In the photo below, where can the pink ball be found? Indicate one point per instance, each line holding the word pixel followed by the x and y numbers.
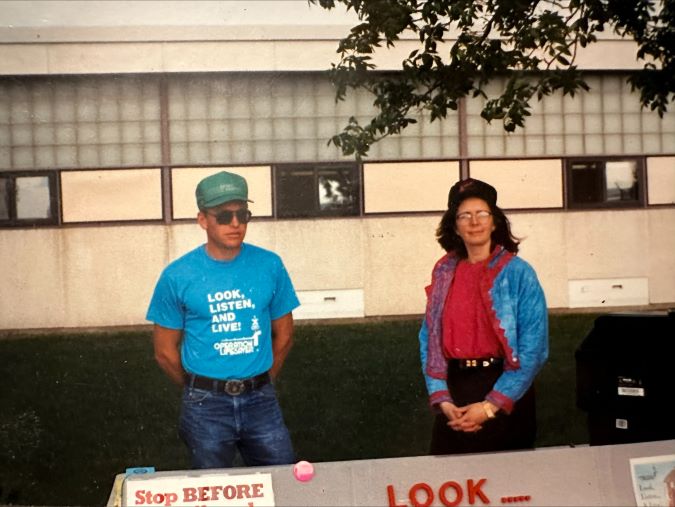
pixel 303 471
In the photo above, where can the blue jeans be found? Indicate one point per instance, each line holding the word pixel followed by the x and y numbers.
pixel 213 425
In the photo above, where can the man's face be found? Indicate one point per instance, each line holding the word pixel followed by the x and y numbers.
pixel 225 227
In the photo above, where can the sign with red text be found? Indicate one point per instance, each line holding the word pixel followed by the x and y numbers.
pixel 547 477
pixel 449 494
pixel 254 490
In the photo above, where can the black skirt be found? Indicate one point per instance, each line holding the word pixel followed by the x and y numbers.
pixel 503 433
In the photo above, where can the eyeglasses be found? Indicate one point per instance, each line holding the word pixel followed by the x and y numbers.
pixel 225 216
pixel 481 216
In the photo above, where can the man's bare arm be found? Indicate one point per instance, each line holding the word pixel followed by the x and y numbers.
pixel 167 352
pixel 282 341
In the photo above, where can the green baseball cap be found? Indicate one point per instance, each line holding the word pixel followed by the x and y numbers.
pixel 220 188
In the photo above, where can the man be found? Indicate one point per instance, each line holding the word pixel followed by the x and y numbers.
pixel 223 328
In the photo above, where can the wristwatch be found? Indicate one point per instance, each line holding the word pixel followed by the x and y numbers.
pixel 488 410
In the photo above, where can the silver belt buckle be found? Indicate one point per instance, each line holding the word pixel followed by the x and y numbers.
pixel 234 387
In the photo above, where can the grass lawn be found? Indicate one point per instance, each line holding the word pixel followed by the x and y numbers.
pixel 77 409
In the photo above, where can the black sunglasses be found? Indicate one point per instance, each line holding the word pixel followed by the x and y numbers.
pixel 225 216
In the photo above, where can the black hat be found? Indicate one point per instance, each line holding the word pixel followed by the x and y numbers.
pixel 470 187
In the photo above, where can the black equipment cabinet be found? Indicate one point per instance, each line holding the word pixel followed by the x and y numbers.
pixel 625 376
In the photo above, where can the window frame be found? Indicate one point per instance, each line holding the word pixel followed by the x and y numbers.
pixel 316 168
pixel 638 202
pixel 13 221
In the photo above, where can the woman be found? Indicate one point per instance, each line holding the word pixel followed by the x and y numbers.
pixel 485 334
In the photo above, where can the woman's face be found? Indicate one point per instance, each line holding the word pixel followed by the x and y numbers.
pixel 474 223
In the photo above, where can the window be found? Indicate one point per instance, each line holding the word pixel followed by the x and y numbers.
pixel 4 199
pixel 605 183
pixel 317 190
pixel 27 199
pixel 606 121
pixel 79 122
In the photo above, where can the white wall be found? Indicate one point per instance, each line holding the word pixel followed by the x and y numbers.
pixel 99 276
pixel 70 37
pixel 89 276
pixel 661 180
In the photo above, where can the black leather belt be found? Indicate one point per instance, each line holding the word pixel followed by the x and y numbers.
pixel 233 387
pixel 481 362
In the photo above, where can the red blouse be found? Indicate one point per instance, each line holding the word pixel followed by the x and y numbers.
pixel 467 331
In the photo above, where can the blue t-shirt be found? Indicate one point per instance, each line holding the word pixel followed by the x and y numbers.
pixel 225 309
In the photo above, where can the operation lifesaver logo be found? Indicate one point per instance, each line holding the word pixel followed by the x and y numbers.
pixel 224 307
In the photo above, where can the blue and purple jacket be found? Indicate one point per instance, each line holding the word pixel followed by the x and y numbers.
pixel 516 305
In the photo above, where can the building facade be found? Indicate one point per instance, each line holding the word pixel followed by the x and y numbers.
pixel 111 112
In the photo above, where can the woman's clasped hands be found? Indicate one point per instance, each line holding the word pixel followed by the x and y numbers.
pixel 469 418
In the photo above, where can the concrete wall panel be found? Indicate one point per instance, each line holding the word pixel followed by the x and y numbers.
pixel 90 196
pixel 109 274
pixel 218 56
pixel 661 259
pixel 319 254
pixel 607 244
pixel 542 244
pixel 33 292
pixel 78 277
pixel 399 254
pixel 661 180
pixel 412 186
pixel 523 183
pixel 18 59
pixel 86 276
pixel 102 58
pixel 120 56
